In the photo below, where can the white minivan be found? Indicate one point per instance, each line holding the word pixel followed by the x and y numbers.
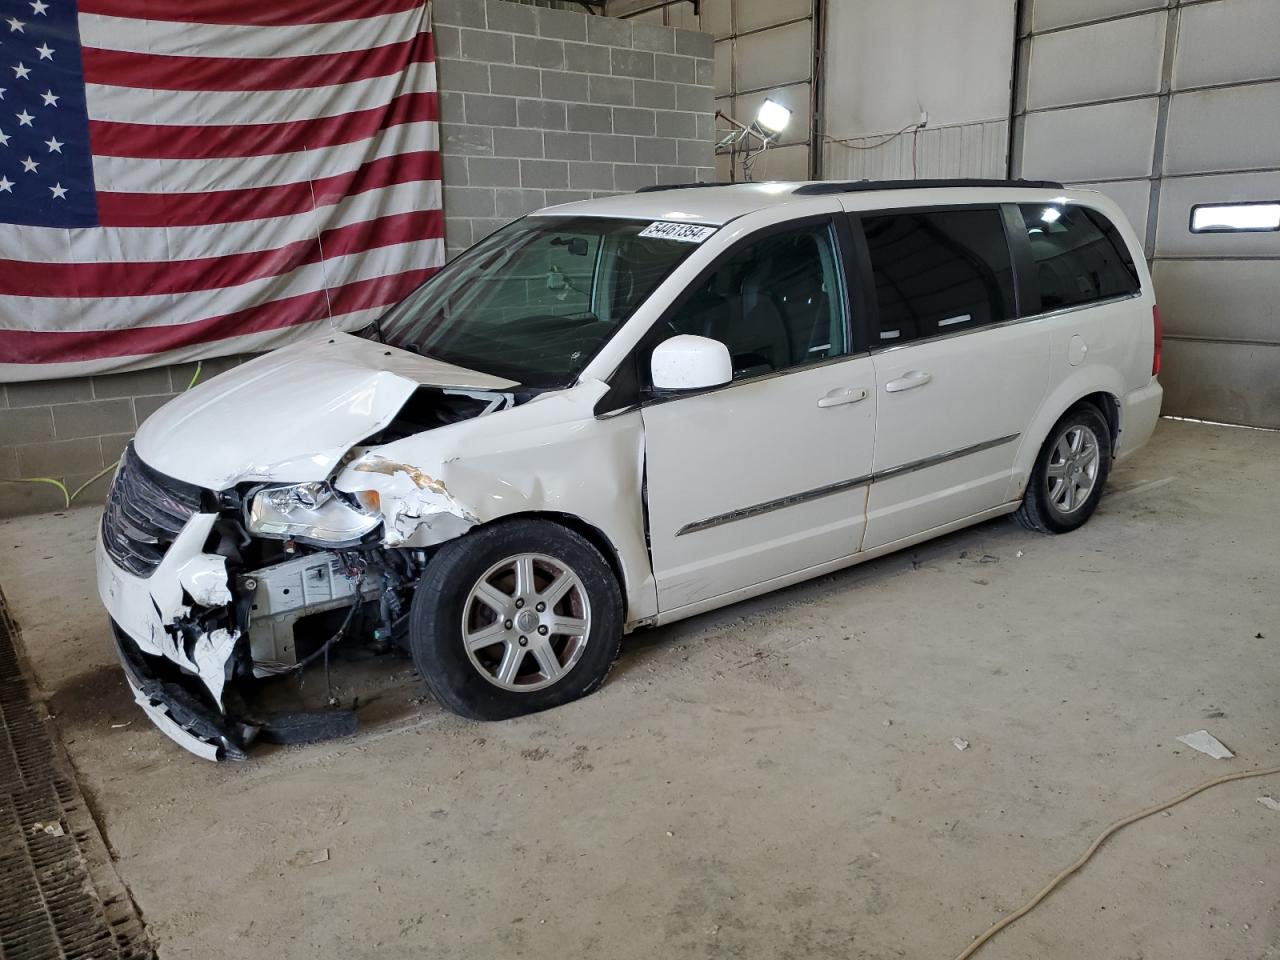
pixel 618 413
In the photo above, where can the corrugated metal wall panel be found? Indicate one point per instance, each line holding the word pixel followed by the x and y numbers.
pixel 963 150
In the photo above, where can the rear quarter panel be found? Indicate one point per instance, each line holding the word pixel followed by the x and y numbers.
pixel 1119 335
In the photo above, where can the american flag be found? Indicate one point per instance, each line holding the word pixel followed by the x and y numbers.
pixel 190 178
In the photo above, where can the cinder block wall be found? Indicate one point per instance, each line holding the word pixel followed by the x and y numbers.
pixel 542 106
pixel 539 106
pixel 70 430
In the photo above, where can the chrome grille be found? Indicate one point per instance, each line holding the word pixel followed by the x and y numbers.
pixel 145 513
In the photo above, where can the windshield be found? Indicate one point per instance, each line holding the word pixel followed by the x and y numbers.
pixel 537 300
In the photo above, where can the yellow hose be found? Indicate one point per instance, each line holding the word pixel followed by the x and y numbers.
pixel 69 497
pixel 1053 884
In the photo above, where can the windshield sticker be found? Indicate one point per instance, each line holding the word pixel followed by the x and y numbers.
pixel 684 232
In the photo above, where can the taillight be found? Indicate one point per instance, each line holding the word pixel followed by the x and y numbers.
pixel 1159 340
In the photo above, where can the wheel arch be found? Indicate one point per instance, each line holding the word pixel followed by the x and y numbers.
pixel 1099 388
pixel 589 532
pixel 1107 404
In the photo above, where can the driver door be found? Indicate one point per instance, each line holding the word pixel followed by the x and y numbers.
pixel 765 476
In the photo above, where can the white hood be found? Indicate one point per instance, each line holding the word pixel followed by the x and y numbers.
pixel 290 415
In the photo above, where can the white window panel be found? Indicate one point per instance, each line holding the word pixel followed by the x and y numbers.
pixel 1252 217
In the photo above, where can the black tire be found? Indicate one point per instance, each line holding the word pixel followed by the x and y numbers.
pixel 1039 511
pixel 444 597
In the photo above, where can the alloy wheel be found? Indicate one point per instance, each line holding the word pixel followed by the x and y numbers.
pixel 526 621
pixel 1073 466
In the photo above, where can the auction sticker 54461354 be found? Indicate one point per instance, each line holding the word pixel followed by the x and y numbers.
pixel 684 232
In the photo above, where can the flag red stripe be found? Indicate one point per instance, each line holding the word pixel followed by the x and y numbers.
pixel 259 203
pixel 190 142
pixel 124 69
pixel 277 13
pixel 152 277
pixel 49 346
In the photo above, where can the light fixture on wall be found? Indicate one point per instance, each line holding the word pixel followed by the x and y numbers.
pixel 773 116
pixel 743 143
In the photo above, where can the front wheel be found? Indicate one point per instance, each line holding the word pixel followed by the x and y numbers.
pixel 1070 472
pixel 515 618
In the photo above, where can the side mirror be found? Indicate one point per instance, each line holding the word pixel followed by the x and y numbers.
pixel 686 362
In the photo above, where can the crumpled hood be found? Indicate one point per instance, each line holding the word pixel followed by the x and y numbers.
pixel 290 415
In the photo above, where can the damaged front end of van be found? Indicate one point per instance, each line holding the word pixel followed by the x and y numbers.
pixel 300 511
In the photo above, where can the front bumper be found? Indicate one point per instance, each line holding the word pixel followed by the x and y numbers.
pixel 180 677
pixel 146 608
pixel 181 716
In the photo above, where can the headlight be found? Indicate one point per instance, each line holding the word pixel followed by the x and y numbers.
pixel 310 512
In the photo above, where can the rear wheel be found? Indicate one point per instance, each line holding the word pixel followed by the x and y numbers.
pixel 515 618
pixel 1070 472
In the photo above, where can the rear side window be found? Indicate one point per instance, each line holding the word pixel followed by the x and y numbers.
pixel 1079 255
pixel 938 271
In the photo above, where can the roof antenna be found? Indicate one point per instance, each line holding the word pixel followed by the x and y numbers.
pixel 315 222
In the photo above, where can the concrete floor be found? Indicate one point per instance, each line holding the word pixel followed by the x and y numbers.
pixel 772 780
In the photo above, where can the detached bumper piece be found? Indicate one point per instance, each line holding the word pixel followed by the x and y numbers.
pixel 196 726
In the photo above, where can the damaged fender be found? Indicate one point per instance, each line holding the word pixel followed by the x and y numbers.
pixel 536 457
pixel 418 509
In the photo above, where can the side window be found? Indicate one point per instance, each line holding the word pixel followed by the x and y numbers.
pixel 938 271
pixel 776 303
pixel 1079 255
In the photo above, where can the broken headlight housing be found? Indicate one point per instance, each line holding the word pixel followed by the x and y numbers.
pixel 311 512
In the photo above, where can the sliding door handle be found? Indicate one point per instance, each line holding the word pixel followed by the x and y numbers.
pixel 842 395
pixel 908 381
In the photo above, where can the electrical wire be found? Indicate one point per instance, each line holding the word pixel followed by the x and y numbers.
pixel 1056 882
pixel 846 141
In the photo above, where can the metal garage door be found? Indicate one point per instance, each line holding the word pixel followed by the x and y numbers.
pixel 1166 105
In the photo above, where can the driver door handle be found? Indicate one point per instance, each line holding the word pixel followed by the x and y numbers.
pixel 908 381
pixel 842 395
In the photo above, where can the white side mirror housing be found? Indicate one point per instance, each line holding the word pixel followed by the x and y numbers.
pixel 686 362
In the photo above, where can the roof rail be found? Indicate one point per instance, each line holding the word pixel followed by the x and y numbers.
pixel 684 186
pixel 853 186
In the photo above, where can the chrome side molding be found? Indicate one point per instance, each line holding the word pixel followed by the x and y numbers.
pixel 790 501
